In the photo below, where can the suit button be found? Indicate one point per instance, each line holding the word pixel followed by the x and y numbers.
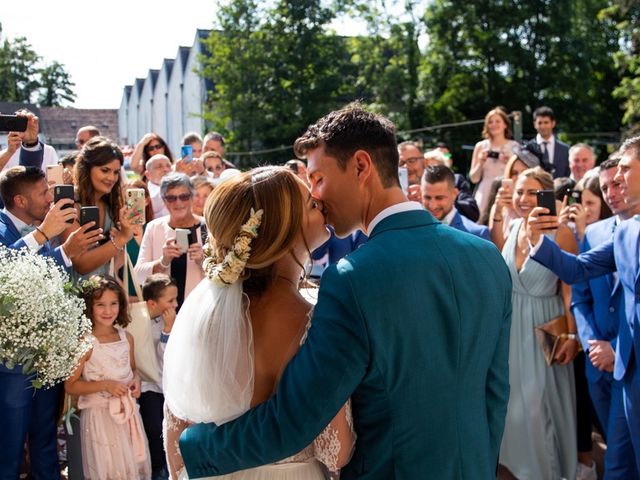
pixel 612 309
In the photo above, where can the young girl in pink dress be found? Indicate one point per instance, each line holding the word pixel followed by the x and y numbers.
pixel 114 445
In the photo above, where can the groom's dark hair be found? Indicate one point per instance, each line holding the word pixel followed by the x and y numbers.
pixel 353 128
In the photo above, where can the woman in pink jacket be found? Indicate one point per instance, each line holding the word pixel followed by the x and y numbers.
pixel 163 249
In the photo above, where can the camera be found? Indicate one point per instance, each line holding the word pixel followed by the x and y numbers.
pixel 493 154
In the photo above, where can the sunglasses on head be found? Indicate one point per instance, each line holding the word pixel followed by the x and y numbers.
pixel 183 197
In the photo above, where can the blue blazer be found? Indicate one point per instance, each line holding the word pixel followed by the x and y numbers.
pixel 10 237
pixel 338 248
pixel 561 160
pixel 598 304
pixel 460 222
pixel 413 327
pixel 621 254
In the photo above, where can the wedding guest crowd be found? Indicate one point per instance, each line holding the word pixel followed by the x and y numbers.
pixel 554 259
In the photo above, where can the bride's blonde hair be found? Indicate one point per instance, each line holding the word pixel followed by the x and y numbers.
pixel 276 191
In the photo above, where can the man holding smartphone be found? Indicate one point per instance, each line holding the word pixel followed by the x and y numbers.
pixel 26 149
pixel 620 254
pixel 29 220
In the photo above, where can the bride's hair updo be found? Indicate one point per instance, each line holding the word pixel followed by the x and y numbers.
pixel 276 191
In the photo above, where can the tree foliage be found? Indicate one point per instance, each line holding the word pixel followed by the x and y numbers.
pixel 277 66
pixel 23 77
pixel 274 70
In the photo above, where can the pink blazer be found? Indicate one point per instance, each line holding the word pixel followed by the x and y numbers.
pixel 155 235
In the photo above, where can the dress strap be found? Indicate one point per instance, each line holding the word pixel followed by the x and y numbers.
pixel 121 333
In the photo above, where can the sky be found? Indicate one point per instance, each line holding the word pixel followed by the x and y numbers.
pixel 105 45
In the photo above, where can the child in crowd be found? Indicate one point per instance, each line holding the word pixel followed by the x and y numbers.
pixel 161 294
pixel 113 439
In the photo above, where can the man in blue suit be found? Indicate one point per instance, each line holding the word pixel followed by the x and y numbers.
pixel 413 326
pixel 334 249
pixel 438 196
pixel 554 152
pixel 620 254
pixel 598 308
pixel 27 221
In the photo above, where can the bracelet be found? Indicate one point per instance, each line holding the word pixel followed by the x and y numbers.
pixel 163 265
pixel 571 336
pixel 497 220
pixel 42 233
pixel 116 246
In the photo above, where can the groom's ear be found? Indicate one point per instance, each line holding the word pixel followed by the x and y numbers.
pixel 363 164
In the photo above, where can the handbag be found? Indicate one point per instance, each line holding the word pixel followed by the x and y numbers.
pixel 551 336
pixel 140 328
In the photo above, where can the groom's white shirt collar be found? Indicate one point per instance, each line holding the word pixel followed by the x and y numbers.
pixel 392 210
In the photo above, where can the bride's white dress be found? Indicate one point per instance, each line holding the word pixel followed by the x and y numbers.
pixel 208 377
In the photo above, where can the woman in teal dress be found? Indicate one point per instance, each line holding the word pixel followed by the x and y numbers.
pixel 539 441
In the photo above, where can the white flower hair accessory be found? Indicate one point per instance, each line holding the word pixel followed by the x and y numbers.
pixel 229 270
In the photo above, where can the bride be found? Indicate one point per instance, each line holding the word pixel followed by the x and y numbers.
pixel 242 324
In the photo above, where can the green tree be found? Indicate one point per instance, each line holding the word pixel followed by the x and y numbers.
pixel 56 86
pixel 520 54
pixel 23 65
pixel 626 15
pixel 22 77
pixel 274 70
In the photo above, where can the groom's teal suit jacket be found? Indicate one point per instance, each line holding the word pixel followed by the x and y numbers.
pixel 414 327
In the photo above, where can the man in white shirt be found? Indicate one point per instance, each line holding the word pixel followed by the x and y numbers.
pixel 26 149
pixel 581 160
pixel 157 167
pixel 553 150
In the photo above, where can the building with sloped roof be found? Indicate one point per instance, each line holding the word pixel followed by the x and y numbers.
pixel 169 101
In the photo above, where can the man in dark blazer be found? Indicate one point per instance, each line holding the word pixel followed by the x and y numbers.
pixel 438 196
pixel 413 327
pixel 621 253
pixel 27 221
pixel 555 152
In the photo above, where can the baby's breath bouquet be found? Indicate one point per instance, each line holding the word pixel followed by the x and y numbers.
pixel 43 328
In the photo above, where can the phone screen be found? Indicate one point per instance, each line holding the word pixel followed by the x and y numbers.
pixel 403 174
pixel 186 153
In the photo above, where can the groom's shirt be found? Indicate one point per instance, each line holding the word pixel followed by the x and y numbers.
pixel 392 210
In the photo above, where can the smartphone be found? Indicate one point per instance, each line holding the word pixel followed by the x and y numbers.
pixel 507 184
pixel 575 196
pixel 186 153
pixel 182 238
pixel 403 174
pixel 135 202
pixel 13 123
pixel 63 191
pixel 547 199
pixel 90 214
pixel 55 174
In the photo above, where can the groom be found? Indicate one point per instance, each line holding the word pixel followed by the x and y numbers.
pixel 413 327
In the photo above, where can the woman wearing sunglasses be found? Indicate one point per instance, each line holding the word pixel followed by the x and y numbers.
pixel 164 248
pixel 150 145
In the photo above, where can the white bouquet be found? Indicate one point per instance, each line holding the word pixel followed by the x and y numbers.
pixel 42 323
